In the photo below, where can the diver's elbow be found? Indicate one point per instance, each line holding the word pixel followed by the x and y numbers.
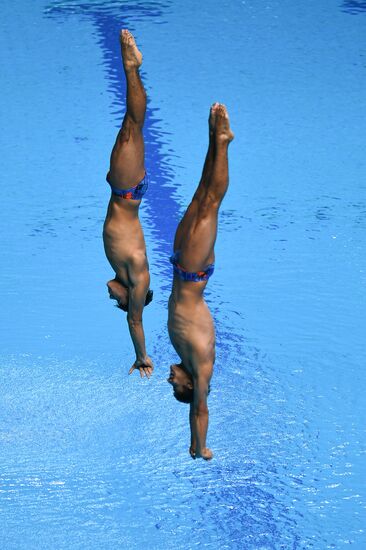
pixel 134 322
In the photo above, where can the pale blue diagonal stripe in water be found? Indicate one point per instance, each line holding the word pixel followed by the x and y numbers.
pixel 93 459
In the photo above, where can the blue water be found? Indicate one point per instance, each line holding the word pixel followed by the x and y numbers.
pixel 93 459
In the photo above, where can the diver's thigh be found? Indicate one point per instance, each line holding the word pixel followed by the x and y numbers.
pixel 197 249
pixel 127 159
pixel 185 226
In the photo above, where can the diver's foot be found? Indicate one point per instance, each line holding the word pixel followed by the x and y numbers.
pixel 222 130
pixel 131 56
pixel 212 119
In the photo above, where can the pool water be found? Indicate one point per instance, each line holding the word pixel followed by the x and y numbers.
pixel 92 458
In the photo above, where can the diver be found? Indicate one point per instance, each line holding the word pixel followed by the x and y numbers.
pixel 123 238
pixel 190 324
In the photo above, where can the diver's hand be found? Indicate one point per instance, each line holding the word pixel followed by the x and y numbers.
pixel 145 366
pixel 205 453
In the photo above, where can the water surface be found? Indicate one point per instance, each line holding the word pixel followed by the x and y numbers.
pixel 94 459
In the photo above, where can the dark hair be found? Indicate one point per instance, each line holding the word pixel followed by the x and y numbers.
pixel 123 307
pixel 186 395
pixel 149 297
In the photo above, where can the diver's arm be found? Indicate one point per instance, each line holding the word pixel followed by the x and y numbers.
pixel 136 302
pixel 192 424
pixel 200 414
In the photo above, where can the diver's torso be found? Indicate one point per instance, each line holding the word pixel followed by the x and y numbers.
pixel 123 237
pixel 190 325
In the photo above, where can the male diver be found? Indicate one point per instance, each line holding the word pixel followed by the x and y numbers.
pixel 123 237
pixel 190 324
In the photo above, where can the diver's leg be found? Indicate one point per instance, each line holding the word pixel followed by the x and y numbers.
pixel 127 158
pixel 207 167
pixel 218 179
pixel 191 212
pixel 199 235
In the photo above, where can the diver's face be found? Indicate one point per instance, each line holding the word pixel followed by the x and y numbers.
pixel 178 378
pixel 120 295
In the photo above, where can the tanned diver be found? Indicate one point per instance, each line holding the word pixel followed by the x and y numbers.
pixel 190 324
pixel 124 241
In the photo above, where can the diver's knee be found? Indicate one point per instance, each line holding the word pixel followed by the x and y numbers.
pixel 208 205
pixel 133 123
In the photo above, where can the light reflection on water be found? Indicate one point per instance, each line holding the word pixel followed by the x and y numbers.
pixel 93 460
pixel 354 6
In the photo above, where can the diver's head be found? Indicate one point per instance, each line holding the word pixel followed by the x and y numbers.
pixel 182 383
pixel 118 292
pixel 121 295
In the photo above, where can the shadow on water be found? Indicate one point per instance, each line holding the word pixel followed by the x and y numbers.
pixel 109 18
pixel 354 6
